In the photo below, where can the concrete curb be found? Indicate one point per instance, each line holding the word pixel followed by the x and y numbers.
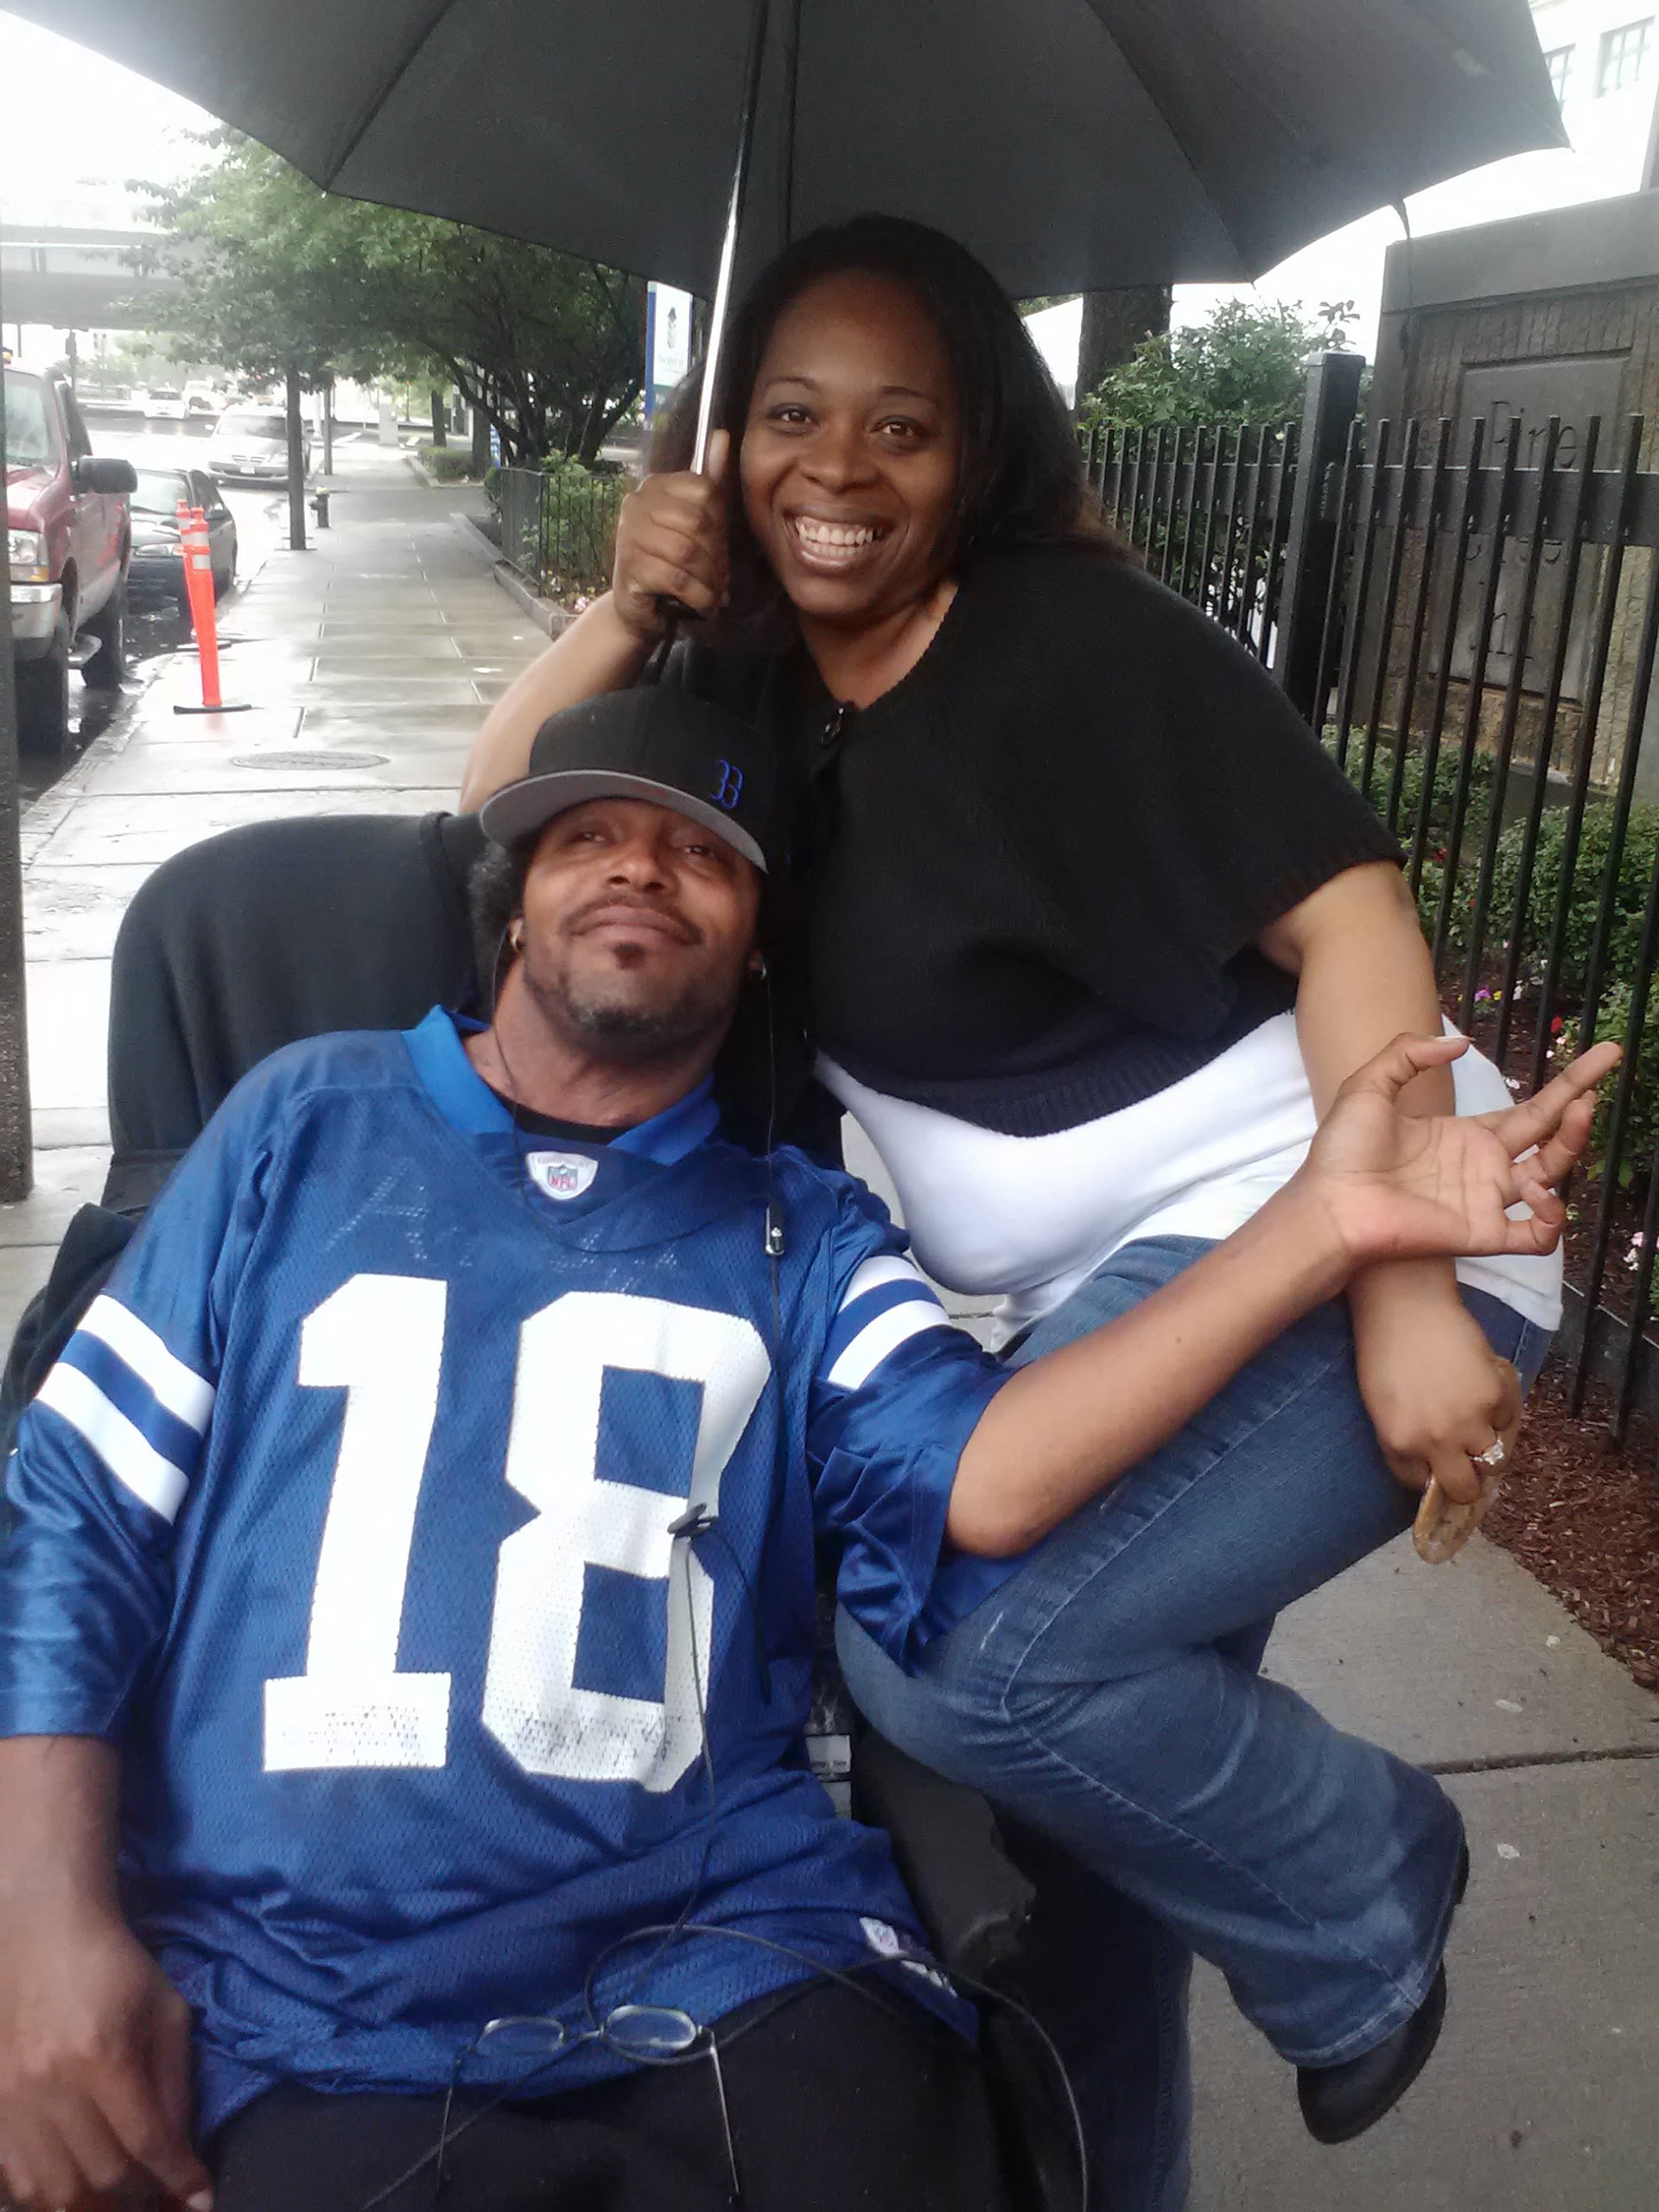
pixel 436 483
pixel 541 612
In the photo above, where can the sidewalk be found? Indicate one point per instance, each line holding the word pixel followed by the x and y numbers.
pixel 369 661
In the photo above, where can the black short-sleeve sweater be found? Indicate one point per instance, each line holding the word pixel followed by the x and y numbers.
pixel 1035 868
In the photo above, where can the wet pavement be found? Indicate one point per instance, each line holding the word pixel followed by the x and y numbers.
pixel 364 664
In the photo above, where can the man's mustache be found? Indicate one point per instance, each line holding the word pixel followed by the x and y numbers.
pixel 658 911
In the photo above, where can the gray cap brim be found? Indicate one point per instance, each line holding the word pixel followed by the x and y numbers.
pixel 519 809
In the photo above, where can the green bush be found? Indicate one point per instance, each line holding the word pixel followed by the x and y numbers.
pixel 578 526
pixel 447 464
pixel 1635 866
pixel 1442 803
pixel 1642 1130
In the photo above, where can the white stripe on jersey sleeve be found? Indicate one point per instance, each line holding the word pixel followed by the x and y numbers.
pixel 890 1267
pixel 170 1382
pixel 860 1359
pixel 130 1457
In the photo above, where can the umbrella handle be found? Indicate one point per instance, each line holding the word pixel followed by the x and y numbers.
pixel 758 21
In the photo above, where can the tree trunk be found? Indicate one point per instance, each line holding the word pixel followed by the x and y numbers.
pixel 328 427
pixel 439 426
pixel 296 467
pixel 1114 324
pixel 480 441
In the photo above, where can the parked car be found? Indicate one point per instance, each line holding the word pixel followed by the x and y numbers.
pixel 251 444
pixel 69 537
pixel 158 555
pixel 164 404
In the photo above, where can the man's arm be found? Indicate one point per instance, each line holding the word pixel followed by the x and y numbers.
pixel 95 2045
pixel 94 2042
pixel 1379 1185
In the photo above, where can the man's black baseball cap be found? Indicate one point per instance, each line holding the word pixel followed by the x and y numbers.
pixel 656 744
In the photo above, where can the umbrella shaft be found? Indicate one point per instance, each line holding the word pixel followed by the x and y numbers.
pixel 729 244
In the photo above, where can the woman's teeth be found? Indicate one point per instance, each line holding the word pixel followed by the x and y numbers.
pixel 834 540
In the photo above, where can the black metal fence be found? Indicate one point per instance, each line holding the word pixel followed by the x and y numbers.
pixel 1208 507
pixel 557 527
pixel 1471 621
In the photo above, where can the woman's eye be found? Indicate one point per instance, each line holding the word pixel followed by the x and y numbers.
pixel 791 417
pixel 899 426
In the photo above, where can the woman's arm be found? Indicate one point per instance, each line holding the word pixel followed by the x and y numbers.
pixel 598 652
pixel 670 544
pixel 1363 975
pixel 1378 1184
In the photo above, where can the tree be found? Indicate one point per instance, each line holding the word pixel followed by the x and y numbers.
pixel 1245 363
pixel 1115 323
pixel 278 278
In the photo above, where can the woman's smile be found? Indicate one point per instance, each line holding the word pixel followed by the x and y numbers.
pixel 832 544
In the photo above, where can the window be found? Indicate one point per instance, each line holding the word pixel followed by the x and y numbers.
pixel 31 425
pixel 1624 56
pixel 1559 62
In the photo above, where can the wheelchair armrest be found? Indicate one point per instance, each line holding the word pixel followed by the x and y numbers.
pixel 973 1900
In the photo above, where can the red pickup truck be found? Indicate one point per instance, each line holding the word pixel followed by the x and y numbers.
pixel 69 538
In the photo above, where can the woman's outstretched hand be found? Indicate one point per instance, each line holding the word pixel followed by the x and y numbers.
pixel 1398 1187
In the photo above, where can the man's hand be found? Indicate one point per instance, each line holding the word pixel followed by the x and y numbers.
pixel 1404 1186
pixel 1399 1186
pixel 94 2064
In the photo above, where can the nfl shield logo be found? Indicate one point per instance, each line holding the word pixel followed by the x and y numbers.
pixel 561 1174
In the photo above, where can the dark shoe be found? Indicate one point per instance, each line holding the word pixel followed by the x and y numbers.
pixel 1339 2102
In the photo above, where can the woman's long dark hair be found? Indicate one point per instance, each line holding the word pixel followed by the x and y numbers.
pixel 1021 479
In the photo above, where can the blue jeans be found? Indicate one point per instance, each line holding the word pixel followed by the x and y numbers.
pixel 1164 1797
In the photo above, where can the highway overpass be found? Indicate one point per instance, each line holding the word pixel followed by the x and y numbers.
pixel 79 279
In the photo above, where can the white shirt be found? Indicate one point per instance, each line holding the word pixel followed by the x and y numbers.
pixel 1029 1219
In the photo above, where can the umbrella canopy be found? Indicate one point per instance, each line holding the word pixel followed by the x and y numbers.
pixel 1070 144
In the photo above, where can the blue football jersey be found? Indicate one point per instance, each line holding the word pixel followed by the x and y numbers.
pixel 430 1511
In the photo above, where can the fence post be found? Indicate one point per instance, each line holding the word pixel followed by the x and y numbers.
pixel 1332 404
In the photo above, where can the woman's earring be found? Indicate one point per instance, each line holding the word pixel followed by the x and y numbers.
pixel 516 937
pixel 760 971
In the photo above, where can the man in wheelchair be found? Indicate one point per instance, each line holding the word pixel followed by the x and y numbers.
pixel 406 1628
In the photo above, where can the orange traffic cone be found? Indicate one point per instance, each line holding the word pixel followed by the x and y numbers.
pixel 199 588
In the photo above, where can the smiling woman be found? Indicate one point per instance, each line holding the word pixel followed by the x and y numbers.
pixel 1094 935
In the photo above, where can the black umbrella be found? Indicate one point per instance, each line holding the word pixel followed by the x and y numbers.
pixel 1070 144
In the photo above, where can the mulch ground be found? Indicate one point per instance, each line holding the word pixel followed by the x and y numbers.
pixel 1582 1514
